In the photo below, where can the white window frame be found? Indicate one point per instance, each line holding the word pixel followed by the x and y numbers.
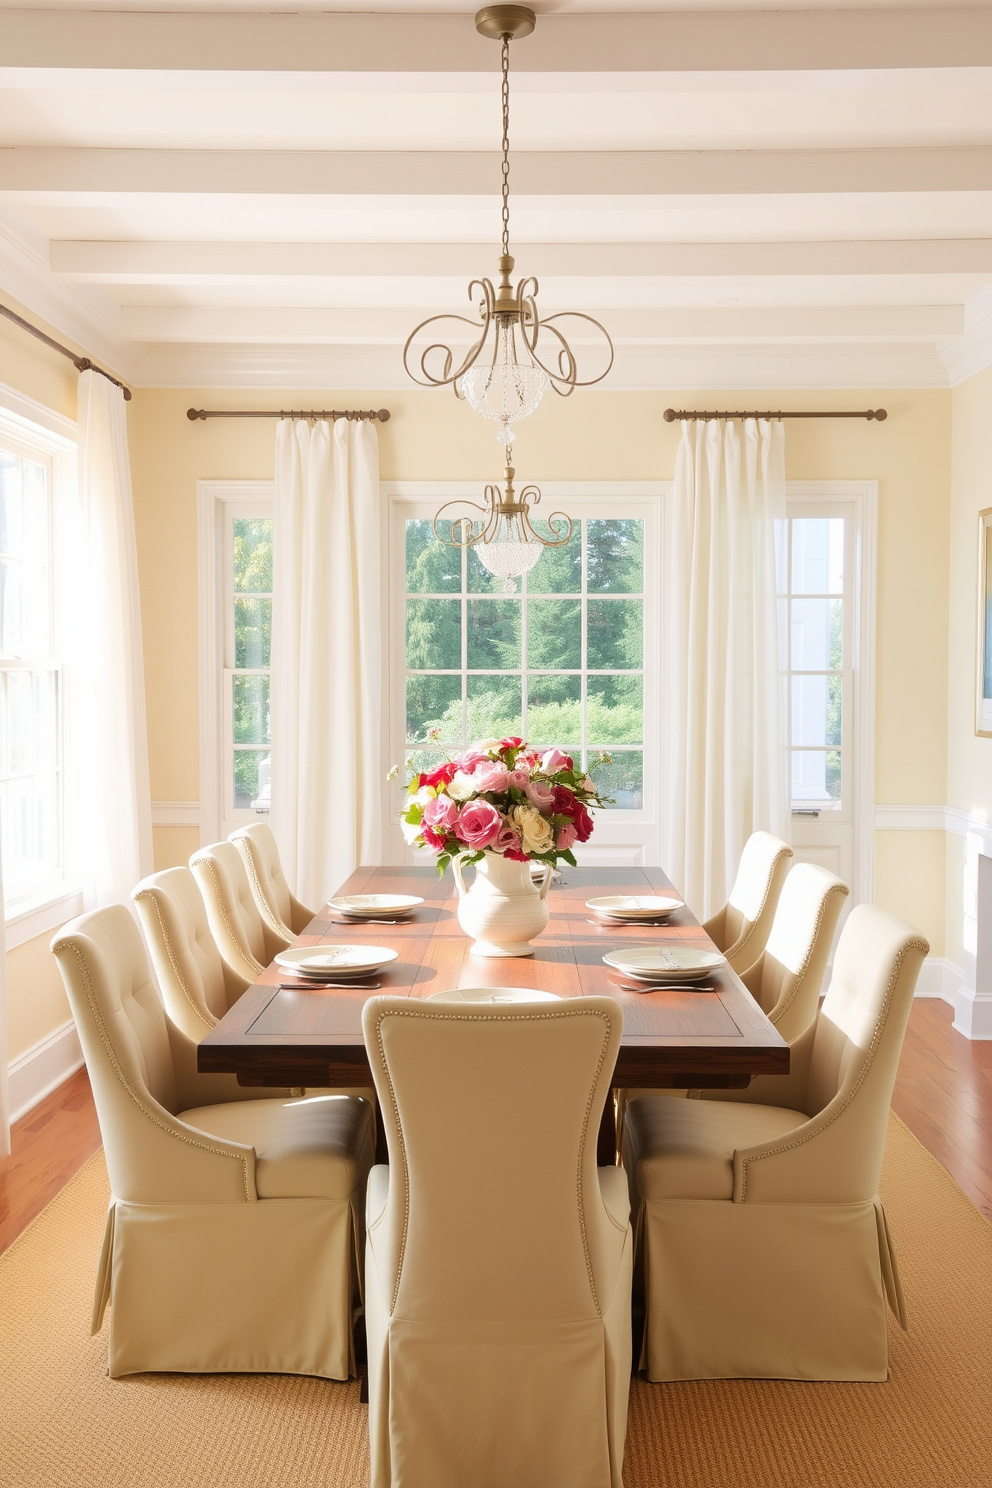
pixel 856 500
pixel 621 838
pixel 42 430
pixel 217 501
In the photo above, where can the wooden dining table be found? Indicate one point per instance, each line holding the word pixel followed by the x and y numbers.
pixel 290 1036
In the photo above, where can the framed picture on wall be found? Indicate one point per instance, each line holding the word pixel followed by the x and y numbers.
pixel 983 700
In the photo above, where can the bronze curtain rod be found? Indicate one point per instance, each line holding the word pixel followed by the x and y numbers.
pixel 672 414
pixel 382 414
pixel 82 364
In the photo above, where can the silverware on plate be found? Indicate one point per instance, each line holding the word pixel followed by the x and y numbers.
pixel 341 986
pixel 663 987
pixel 370 920
pixel 607 921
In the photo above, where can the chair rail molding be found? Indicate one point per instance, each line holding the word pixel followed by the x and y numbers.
pixel 175 813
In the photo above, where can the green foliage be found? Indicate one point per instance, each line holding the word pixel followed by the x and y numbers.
pixel 493 633
pixel 559 569
pixel 433 634
pixel 615 634
pixel 253 555
pixel 431 566
pixel 615 557
pixel 251 710
pixel 554 633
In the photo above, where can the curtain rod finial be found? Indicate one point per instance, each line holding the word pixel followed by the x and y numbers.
pixel 878 413
pixel 669 415
pixel 383 415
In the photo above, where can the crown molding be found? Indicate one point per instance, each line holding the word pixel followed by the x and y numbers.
pixel 971 352
pixel 25 275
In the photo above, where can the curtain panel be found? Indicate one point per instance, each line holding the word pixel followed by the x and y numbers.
pixel 723 681
pixel 326 697
pixel 108 797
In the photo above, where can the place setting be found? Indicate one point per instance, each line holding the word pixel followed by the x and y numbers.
pixel 382 909
pixel 633 909
pixel 327 967
pixel 665 968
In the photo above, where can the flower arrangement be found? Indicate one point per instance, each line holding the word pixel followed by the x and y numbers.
pixel 502 797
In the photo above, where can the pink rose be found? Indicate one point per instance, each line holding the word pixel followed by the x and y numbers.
pixel 519 778
pixel 568 834
pixel 436 840
pixel 491 776
pixel 540 794
pixel 470 759
pixel 554 761
pixel 508 840
pixel 441 813
pixel 478 824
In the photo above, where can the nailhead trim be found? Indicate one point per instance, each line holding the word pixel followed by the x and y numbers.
pixel 203 1014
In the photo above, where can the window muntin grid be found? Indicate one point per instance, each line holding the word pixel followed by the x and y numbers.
pixel 816 617
pixel 561 662
pixel 248 630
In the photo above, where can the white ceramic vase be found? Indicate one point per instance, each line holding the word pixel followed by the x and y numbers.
pixel 503 909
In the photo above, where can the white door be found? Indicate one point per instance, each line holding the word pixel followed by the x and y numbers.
pixel 826 589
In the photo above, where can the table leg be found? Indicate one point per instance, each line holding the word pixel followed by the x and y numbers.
pixel 606 1149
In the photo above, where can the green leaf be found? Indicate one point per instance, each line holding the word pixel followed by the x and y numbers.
pixel 442 864
pixel 569 857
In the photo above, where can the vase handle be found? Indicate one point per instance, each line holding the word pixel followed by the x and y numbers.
pixel 546 884
pixel 456 868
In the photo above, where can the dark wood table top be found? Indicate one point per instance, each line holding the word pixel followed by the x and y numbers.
pixel 675 1039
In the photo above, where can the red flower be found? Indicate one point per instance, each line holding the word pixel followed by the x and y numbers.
pixel 565 800
pixel 510 743
pixel 443 775
pixel 516 857
pixel 582 822
pixel 435 840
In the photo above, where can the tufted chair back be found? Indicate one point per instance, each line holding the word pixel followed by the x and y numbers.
pixel 741 928
pixel 197 985
pixel 243 938
pixel 276 903
pixel 785 981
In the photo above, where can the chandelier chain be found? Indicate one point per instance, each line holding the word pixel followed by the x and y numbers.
pixel 506 144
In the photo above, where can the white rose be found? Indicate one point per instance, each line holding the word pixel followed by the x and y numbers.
pixel 536 833
pixel 411 831
pixel 461 787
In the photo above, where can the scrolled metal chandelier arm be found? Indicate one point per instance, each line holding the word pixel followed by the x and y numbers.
pixel 561 525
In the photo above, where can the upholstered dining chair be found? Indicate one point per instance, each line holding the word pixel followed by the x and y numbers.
pixel 231 1239
pixel 246 941
pixel 763 1246
pixel 741 928
pixel 498 1257
pixel 197 984
pixel 785 980
pixel 277 904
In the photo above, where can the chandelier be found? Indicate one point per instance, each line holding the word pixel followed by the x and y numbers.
pixel 514 356
pixel 502 534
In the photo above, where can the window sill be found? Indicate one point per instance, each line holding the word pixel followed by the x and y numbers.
pixel 28 918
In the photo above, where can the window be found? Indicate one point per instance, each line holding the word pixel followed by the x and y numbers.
pixel 30 746
pixel 235 574
pixel 815 636
pixel 570 658
pixel 246 671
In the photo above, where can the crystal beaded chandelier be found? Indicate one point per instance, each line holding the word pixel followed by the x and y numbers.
pixel 502 533
pixel 514 355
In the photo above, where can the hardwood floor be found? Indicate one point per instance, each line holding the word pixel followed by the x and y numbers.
pixel 943 1093
pixel 48 1147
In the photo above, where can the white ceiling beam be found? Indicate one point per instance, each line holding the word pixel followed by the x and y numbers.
pixel 258 325
pixel 935 36
pixel 201 263
pixel 460 173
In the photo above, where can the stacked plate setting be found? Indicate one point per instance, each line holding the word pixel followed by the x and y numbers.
pixel 374 906
pixel 337 963
pixel 636 908
pixel 666 964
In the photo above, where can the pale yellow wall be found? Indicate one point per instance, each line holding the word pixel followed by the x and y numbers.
pixel 969 757
pixel 36 1000
pixel 34 369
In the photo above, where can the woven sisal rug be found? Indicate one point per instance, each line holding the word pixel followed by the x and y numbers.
pixel 64 1424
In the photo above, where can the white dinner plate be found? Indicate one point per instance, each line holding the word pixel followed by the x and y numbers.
pixel 635 906
pixel 374 906
pixel 493 994
pixel 320 961
pixel 665 963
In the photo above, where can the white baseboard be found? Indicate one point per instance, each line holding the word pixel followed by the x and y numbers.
pixel 939 977
pixel 973 1013
pixel 41 1069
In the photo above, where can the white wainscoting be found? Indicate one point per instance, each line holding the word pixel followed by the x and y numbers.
pixel 175 813
pixel 42 1068
pixel 967 988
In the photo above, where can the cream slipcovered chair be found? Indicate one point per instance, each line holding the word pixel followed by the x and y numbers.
pixel 246 942
pixel 741 928
pixel 765 1250
pixel 231 1240
pixel 785 980
pixel 277 905
pixel 498 1258
pixel 197 984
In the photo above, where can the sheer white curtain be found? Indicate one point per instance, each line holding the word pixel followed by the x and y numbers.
pixel 725 754
pixel 327 783
pixel 108 800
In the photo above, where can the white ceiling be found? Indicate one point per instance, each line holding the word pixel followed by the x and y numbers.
pixel 794 194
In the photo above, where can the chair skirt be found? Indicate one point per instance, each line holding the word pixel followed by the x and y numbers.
pixel 766 1291
pixel 265 1287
